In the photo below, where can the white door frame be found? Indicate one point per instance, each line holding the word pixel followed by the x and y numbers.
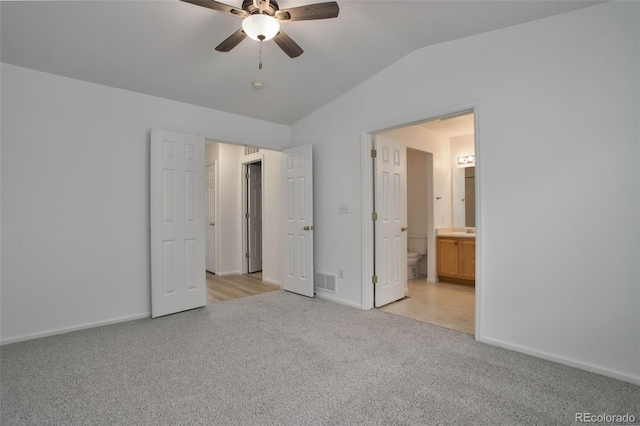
pixel 366 136
pixel 253 158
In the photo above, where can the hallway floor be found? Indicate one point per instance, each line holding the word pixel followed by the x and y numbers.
pixel 229 287
pixel 444 304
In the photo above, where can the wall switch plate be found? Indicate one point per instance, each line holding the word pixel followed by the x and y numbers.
pixel 343 208
pixel 340 273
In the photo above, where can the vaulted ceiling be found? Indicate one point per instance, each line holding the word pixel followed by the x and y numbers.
pixel 166 48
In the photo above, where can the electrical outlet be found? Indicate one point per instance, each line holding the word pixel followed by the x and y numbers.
pixel 343 208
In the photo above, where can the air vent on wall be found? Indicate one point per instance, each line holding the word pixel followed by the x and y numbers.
pixel 325 282
pixel 248 150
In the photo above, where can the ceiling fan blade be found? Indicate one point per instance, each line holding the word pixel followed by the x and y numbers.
pixel 232 41
pixel 221 7
pixel 287 44
pixel 309 12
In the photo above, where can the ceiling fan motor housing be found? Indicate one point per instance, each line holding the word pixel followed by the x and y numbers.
pixel 252 9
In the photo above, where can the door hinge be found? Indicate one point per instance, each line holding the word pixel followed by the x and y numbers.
pixel 374 279
pixel 374 216
pixel 374 153
pixel 246 176
pixel 247 255
pixel 247 215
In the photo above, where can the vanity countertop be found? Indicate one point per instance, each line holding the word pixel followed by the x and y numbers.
pixel 453 232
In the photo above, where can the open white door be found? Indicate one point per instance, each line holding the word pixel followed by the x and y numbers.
pixel 210 217
pixel 298 220
pixel 177 222
pixel 390 226
pixel 254 217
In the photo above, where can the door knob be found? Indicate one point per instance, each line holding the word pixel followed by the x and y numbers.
pixel 404 228
pixel 307 228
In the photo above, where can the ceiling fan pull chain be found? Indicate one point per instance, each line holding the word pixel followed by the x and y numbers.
pixel 260 56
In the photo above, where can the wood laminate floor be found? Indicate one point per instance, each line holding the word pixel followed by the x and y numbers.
pixel 444 304
pixel 220 289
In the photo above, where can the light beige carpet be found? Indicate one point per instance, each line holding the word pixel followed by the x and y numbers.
pixel 279 358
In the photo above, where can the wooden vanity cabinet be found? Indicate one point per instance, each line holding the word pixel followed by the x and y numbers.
pixel 457 258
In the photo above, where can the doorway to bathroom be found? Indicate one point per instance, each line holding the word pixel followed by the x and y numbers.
pixel 424 197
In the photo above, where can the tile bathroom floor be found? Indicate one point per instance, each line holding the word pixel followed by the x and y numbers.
pixel 444 304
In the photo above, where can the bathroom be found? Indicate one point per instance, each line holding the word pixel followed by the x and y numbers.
pixel 440 206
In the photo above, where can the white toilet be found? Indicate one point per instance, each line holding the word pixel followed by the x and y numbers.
pixel 416 248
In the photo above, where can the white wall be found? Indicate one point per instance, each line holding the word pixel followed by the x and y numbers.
pixel 75 196
pixel 230 209
pixel 417 181
pixel 0 200
pixel 419 214
pixel 211 152
pixel 559 228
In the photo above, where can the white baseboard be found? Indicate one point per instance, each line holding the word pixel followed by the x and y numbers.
pixel 224 274
pixel 74 328
pixel 563 360
pixel 267 280
pixel 333 298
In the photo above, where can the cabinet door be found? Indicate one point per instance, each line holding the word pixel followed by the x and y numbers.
pixel 448 257
pixel 468 258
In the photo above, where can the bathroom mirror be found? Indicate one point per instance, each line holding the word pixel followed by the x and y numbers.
pixel 463 194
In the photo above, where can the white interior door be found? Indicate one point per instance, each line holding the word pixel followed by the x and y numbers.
pixel 298 220
pixel 210 217
pixel 390 226
pixel 177 221
pixel 254 216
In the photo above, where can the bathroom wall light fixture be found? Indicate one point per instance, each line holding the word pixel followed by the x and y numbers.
pixel 467 159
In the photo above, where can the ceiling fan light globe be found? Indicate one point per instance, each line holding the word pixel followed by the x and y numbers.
pixel 260 27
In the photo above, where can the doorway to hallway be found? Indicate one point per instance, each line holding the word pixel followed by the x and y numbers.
pixel 242 224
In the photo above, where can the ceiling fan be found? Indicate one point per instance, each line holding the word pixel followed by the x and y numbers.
pixel 262 21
